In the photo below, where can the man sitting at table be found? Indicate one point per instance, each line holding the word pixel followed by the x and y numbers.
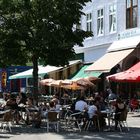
pixel 81 104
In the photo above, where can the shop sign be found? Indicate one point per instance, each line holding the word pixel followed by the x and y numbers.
pixel 3 79
pixel 128 33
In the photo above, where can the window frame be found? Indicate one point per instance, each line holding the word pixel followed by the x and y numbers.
pixel 114 15
pixel 129 13
pixel 89 22
pixel 101 22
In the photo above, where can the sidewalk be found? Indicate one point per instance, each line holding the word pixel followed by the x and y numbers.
pixel 25 133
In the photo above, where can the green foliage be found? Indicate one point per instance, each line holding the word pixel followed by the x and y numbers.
pixel 43 28
pixel 39 29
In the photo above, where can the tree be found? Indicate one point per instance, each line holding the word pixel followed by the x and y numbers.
pixel 39 29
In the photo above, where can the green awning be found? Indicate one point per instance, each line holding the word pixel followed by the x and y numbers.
pixel 82 74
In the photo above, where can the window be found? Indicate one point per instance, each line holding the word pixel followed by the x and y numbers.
pixel 100 30
pixel 112 18
pixel 131 13
pixel 89 21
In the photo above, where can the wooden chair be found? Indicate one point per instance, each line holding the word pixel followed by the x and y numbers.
pixel 122 122
pixel 53 119
pixel 6 121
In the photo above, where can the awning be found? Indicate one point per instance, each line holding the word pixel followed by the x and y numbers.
pixel 82 74
pixel 122 44
pixel 109 60
pixel 117 51
pixel 130 75
pixel 41 72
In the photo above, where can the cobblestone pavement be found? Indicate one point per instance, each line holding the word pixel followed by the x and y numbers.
pixel 29 133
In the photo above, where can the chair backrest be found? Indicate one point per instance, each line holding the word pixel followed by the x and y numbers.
pixel 8 116
pixel 52 116
pixel 123 115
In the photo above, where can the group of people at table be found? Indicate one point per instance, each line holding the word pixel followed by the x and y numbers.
pixel 93 109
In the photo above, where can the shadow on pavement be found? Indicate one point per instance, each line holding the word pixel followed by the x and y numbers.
pixel 133 134
pixel 136 116
pixel 4 137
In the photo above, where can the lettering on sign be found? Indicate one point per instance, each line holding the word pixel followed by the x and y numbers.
pixel 128 33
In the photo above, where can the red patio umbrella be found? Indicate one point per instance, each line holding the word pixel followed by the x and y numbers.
pixel 130 75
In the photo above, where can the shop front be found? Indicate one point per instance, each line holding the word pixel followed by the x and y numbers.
pixel 123 52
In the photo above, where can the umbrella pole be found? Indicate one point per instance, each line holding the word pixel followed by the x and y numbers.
pixel 117 88
pixel 129 90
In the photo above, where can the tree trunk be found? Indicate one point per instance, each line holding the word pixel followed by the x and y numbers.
pixel 35 77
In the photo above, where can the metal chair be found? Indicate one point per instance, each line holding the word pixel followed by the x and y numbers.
pixel 94 121
pixel 75 119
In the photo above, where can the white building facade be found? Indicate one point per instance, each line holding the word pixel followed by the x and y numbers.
pixel 109 20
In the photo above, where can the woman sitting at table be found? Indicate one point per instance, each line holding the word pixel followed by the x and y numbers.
pixel 13 106
pixel 23 98
pixel 29 103
pixel 52 106
pixel 120 107
pixel 93 112
pixel 57 104
pixel 33 113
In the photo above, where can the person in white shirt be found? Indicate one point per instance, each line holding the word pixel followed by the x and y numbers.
pixel 81 105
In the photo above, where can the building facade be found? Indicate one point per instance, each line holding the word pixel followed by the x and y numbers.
pixel 109 20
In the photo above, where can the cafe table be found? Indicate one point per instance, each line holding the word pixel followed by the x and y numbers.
pixel 2 112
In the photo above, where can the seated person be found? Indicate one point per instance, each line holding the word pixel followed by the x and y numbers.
pixel 52 106
pixel 29 102
pixel 134 103
pixel 81 104
pixel 57 105
pixel 23 98
pixel 96 115
pixel 12 105
pixel 120 107
pixel 112 96
pixel 33 114
pixel 92 109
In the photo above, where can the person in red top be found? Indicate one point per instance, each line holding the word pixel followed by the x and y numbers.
pixel 134 103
